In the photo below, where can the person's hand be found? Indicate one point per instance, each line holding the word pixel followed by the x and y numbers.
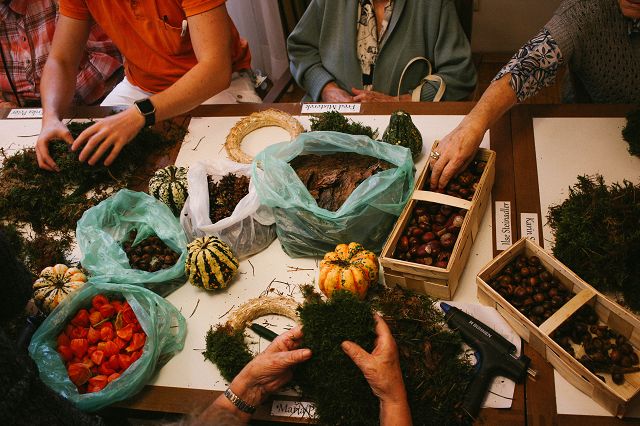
pixel 381 367
pixel 371 96
pixel 111 133
pixel 456 150
pixel 331 92
pixel 271 369
pixel 51 129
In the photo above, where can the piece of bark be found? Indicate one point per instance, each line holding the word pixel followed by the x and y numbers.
pixel 331 178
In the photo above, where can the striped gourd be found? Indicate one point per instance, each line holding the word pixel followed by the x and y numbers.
pixel 169 185
pixel 210 263
pixel 54 284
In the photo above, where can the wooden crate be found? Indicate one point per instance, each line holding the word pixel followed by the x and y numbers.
pixel 438 282
pixel 614 398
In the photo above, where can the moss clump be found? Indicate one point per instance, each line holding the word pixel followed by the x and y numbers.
pixel 336 122
pixel 435 370
pixel 55 201
pixel 597 233
pixel 330 378
pixel 631 132
pixel 226 349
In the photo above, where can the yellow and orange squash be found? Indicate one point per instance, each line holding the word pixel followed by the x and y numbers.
pixel 350 267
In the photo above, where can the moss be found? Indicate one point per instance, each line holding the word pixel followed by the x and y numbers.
pixel 336 122
pixel 330 378
pixel 226 349
pixel 51 203
pixel 436 372
pixel 631 132
pixel 597 235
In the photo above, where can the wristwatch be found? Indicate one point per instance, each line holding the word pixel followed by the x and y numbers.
pixel 147 110
pixel 238 402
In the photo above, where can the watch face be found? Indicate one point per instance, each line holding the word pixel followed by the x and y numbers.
pixel 145 106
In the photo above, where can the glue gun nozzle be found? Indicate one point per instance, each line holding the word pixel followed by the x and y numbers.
pixel 533 373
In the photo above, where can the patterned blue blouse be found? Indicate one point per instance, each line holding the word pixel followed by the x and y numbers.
pixel 534 66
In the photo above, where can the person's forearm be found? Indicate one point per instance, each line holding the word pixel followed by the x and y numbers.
pixel 196 86
pixel 57 87
pixel 398 414
pixel 496 100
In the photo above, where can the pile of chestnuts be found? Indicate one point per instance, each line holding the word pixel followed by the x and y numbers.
pixel 530 288
pixel 465 184
pixel 596 346
pixel 430 234
pixel 150 254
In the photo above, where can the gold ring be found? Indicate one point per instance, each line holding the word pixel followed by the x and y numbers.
pixel 435 155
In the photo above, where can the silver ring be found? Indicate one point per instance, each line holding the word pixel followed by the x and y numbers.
pixel 435 155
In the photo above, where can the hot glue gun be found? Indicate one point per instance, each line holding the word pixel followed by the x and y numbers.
pixel 496 356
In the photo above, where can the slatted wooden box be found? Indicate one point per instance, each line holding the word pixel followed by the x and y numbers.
pixel 614 398
pixel 439 282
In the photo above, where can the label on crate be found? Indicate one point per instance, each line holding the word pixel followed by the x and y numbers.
pixel 319 108
pixel 300 409
pixel 25 113
pixel 504 230
pixel 529 226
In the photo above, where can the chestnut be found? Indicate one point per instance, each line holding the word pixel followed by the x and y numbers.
pixel 520 292
pixel 533 261
pixel 447 240
pixel 618 378
pixel 428 236
pixel 403 244
pixel 538 297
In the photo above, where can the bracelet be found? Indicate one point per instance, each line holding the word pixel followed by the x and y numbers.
pixel 238 402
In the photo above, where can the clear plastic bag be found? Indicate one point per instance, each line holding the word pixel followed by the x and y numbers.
pixel 250 228
pixel 165 327
pixel 368 214
pixel 103 229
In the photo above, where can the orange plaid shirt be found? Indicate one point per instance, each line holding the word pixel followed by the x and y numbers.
pixel 26 33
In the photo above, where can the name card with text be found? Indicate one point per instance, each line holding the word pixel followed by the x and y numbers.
pixel 293 409
pixel 529 226
pixel 25 113
pixel 320 108
pixel 504 231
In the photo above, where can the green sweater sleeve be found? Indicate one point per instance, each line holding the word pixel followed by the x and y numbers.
pixel 304 53
pixel 452 59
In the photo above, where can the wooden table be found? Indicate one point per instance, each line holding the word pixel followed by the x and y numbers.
pixel 181 400
pixel 516 181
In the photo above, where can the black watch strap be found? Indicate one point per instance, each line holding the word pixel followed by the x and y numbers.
pixel 238 402
pixel 148 111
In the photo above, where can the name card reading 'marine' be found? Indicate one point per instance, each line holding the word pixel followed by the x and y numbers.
pixel 504 231
pixel 320 108
pixel 25 113
pixel 300 409
pixel 529 226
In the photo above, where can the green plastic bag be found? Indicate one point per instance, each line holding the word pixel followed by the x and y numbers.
pixel 165 327
pixel 366 217
pixel 103 229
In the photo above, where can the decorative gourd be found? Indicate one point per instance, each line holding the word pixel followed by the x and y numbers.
pixel 349 267
pixel 210 263
pixel 54 284
pixel 401 131
pixel 169 185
